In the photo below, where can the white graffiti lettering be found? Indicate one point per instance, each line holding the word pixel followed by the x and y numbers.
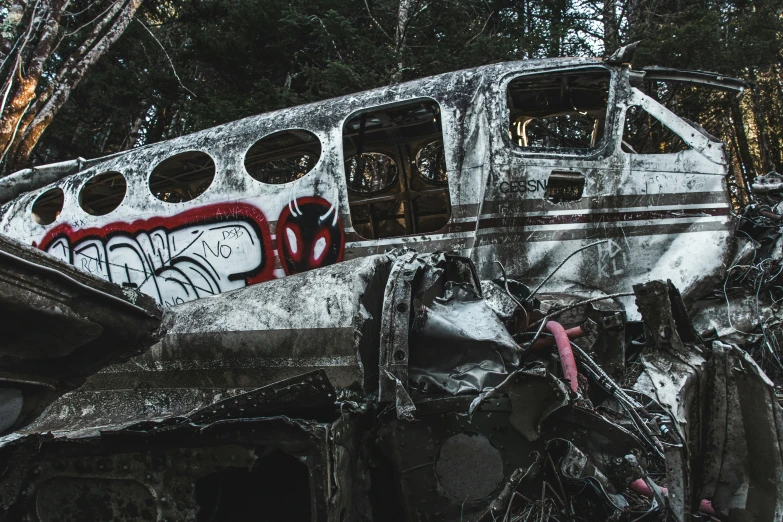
pixel 173 267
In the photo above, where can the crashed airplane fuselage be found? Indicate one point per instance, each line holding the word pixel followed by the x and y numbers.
pixel 519 163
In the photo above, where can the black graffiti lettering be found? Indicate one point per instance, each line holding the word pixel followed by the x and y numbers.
pixel 91 264
pixel 87 264
pixel 175 301
pixel 221 250
pixel 233 233
pixel 522 186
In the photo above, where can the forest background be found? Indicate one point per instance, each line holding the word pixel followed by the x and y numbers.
pixel 86 78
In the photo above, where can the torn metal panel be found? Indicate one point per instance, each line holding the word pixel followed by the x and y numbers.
pixel 702 78
pixel 735 317
pixel 60 326
pixel 418 288
pixel 744 427
pixel 396 316
pixel 280 462
pixel 189 463
pixel 458 345
pixel 246 339
pixel 769 183
pixel 212 350
pixel 726 414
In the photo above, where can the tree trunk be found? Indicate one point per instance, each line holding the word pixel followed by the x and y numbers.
pixel 73 76
pixel 19 90
pixel 761 124
pixel 557 28
pixel 611 42
pixel 735 171
pixel 11 22
pixel 135 128
pixel 746 160
pixel 404 13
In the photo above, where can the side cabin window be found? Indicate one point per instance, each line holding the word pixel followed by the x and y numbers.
pixel 395 169
pixel 558 112
pixel 283 157
pixel 182 177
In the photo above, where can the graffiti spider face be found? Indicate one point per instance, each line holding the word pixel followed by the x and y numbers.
pixel 309 235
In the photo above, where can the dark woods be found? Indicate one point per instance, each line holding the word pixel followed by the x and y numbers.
pixel 92 77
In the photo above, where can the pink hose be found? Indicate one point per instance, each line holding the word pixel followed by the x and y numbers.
pixel 640 487
pixel 546 342
pixel 566 355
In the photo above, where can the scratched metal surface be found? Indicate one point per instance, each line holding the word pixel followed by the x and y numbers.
pixel 663 215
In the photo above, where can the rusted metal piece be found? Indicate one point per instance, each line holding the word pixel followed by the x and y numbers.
pixel 396 317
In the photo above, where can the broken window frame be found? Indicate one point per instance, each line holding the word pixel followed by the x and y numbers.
pixel 406 171
pixel 653 139
pixel 612 132
pixel 696 140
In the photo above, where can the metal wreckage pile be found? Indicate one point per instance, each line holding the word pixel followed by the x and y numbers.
pixel 392 387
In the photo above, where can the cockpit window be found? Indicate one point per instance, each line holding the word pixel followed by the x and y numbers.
pixel 395 169
pixel 643 134
pixel 558 112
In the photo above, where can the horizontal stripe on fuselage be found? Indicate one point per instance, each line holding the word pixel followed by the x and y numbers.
pixel 536 220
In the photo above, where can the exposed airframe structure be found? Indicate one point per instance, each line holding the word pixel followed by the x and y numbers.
pixel 505 163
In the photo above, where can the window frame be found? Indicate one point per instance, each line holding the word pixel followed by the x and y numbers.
pixel 401 172
pixel 709 147
pixel 150 172
pixel 80 192
pixel 661 123
pixel 608 140
pixel 315 167
pixel 381 191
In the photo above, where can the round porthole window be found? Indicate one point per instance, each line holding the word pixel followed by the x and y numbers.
pixel 182 177
pixel 103 193
pixel 431 162
pixel 370 172
pixel 48 206
pixel 283 157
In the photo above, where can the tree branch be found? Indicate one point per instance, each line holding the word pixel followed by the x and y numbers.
pixel 376 22
pixel 63 91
